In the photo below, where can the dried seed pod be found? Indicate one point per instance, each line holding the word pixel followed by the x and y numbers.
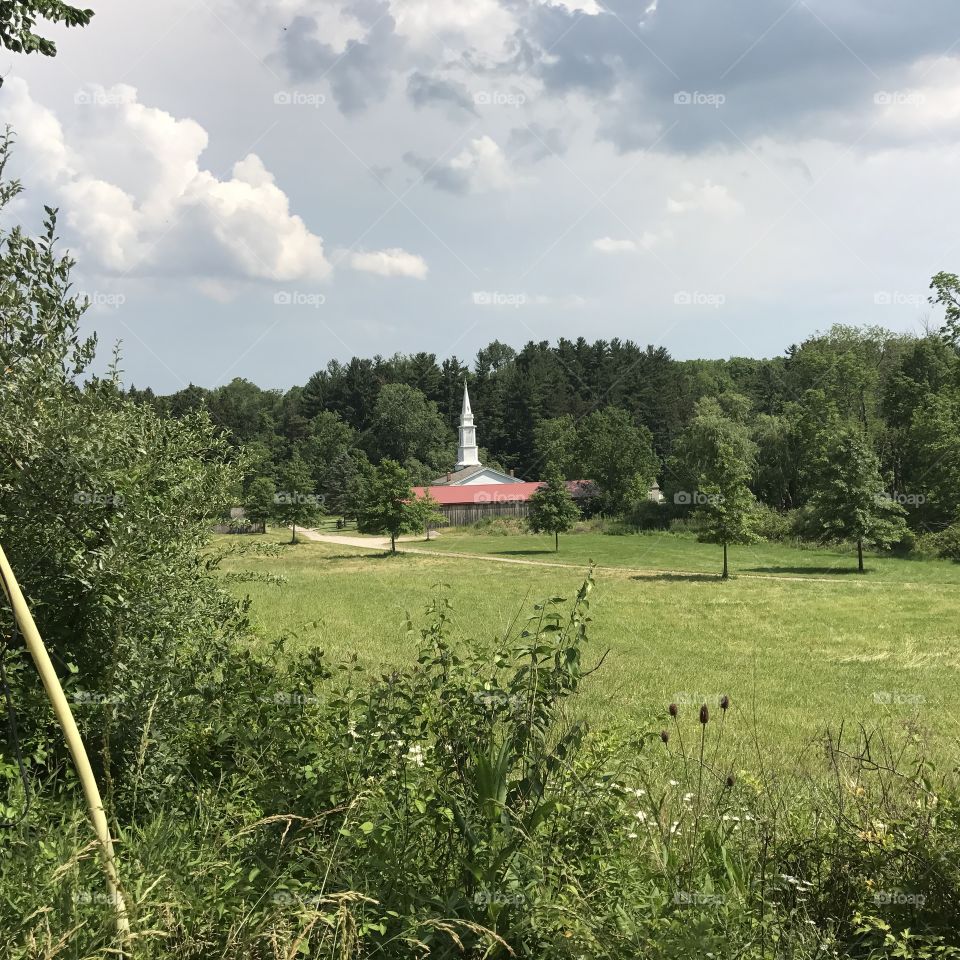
pixel 673 710
pixel 704 714
pixel 664 735
pixel 724 703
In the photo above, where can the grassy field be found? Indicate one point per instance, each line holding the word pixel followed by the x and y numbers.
pixel 671 552
pixel 795 655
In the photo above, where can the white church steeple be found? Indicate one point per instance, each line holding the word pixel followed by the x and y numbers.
pixel 467 455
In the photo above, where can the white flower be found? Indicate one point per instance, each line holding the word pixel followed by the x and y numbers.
pixel 641 816
pixel 687 797
pixel 631 836
pixel 674 783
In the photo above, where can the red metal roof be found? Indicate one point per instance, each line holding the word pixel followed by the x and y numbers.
pixel 491 492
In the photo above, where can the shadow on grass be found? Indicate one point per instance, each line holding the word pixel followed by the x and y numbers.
pixel 805 571
pixel 680 577
pixel 528 553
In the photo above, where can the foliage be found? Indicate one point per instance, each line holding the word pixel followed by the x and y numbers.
pixel 424 513
pixel 385 503
pixel 260 503
pixel 552 509
pixel 297 503
pixel 851 501
pixel 18 19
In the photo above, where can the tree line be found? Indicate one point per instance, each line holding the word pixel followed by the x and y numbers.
pixel 617 414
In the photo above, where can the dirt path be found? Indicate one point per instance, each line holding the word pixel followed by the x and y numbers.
pixel 383 543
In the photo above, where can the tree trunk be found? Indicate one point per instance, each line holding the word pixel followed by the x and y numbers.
pixel 393 542
pixel 293 539
pixel 556 541
pixel 860 556
pixel 726 569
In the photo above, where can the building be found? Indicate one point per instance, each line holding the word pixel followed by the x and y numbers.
pixel 472 492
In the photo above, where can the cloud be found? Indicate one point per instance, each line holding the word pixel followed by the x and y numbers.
pixel 535 142
pixel 393 262
pixel 609 245
pixel 424 90
pixel 139 203
pixel 361 72
pixel 647 241
pixel 480 167
pixel 710 198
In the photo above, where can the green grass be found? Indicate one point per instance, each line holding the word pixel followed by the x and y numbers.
pixel 683 553
pixel 796 655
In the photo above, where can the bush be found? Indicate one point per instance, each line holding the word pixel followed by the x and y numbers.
pixel 774 525
pixel 500 526
pixel 647 515
pixel 946 543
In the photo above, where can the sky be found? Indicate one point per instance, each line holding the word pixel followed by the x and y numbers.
pixel 254 189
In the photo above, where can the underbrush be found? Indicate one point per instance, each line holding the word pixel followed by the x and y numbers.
pixel 454 809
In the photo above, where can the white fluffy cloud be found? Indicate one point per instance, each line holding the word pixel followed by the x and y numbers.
pixel 390 263
pixel 646 241
pixel 139 203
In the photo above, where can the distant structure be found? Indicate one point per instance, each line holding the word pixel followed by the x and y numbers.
pixel 469 471
pixel 472 492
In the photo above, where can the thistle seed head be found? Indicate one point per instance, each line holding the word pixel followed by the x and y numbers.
pixel 704 714
pixel 673 709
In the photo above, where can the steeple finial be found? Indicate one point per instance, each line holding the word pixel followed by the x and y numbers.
pixel 466 400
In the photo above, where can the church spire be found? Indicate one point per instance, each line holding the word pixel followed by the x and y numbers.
pixel 467 453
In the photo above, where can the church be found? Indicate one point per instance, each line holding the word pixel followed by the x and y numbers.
pixel 472 492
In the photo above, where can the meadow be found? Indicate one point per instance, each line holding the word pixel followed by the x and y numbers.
pixel 800 644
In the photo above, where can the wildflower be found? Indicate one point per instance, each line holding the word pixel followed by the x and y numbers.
pixel 674 783
pixel 704 714
pixel 687 797
pixel 673 710
pixel 641 816
pixel 724 703
pixel 664 735
pixel 631 836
